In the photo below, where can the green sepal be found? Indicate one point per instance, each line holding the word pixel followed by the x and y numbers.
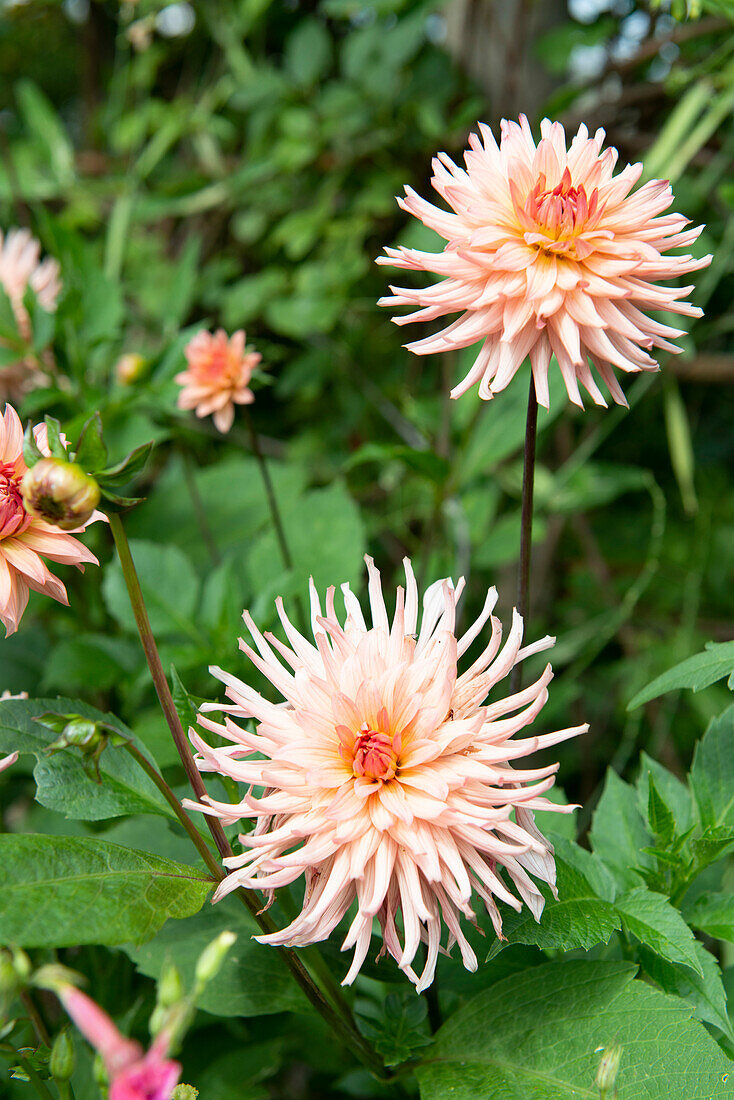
pixel 124 471
pixel 91 453
pixel 57 448
pixel 120 502
pixel 31 451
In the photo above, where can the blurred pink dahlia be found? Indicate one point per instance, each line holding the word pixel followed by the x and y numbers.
pixel 217 377
pixel 23 537
pixel 547 253
pixel 20 267
pixel 134 1073
pixel 384 778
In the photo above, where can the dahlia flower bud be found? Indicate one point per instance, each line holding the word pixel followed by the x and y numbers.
pixel 15 969
pixel 63 1057
pixel 60 493
pixel 129 368
pixel 184 1092
pixel 210 960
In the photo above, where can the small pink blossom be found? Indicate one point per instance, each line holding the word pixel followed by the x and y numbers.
pixel 134 1074
pixel 547 253
pixel 218 376
pixel 24 539
pixel 384 778
pixel 8 761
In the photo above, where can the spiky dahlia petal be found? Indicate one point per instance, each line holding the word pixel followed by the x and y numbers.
pixel 547 253
pixel 384 778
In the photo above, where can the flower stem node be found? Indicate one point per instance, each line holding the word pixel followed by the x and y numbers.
pixel 63 1058
pixel 60 493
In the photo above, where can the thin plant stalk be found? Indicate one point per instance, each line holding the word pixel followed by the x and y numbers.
pixel 200 511
pixel 336 1019
pixel 35 1017
pixel 526 520
pixel 269 492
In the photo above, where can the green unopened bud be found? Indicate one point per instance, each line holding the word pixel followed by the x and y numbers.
pixel 210 961
pixel 606 1075
pixel 99 1072
pixel 60 493
pixel 184 1092
pixel 130 367
pixel 76 731
pixel 63 1059
pixel 170 987
pixel 15 970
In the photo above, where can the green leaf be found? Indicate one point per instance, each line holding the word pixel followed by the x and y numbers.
pixel 428 463
pixel 185 706
pixel 713 914
pixel 326 538
pixel 704 991
pixel 696 673
pixel 713 845
pixel 91 453
pixel 64 891
pixel 62 783
pixel 659 816
pixel 657 924
pixel 43 123
pixel 308 51
pixel 254 981
pixel 540 1035
pixel 397 1027
pixel 170 589
pixel 712 773
pixel 674 794
pixel 75 663
pixel 618 833
pixel 580 918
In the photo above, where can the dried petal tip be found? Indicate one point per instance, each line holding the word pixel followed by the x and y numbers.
pixel 548 253
pixel 60 493
pixel 386 780
pixel 8 761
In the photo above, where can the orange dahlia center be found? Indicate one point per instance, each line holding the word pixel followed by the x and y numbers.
pixel 375 754
pixel 562 212
pixel 13 516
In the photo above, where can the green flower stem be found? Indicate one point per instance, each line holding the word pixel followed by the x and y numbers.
pixel 275 515
pixel 526 521
pixel 35 1017
pixel 269 492
pixel 347 1033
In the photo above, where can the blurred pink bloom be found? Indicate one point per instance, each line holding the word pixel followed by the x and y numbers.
pixel 20 267
pixel 133 1073
pixel 8 761
pixel 23 537
pixel 547 253
pixel 384 779
pixel 219 370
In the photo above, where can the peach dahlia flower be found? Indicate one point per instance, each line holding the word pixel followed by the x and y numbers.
pixel 23 537
pixel 385 778
pixel 217 377
pixel 20 267
pixel 547 253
